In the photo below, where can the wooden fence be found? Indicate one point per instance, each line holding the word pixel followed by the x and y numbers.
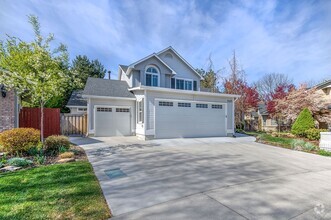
pixel 74 125
pixel 30 118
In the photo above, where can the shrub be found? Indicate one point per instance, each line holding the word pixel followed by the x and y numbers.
pixel 63 149
pixel 298 144
pixel 324 153
pixel 53 144
pixel 309 146
pixel 314 133
pixel 304 122
pixel 67 155
pixel 19 162
pixel 39 159
pixel 1 165
pixel 19 140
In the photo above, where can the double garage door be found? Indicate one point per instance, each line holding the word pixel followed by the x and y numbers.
pixel 112 121
pixel 189 119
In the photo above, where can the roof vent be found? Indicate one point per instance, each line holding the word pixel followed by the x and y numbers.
pixel 168 55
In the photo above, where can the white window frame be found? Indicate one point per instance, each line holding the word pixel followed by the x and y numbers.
pixel 140 110
pixel 153 74
pixel 185 79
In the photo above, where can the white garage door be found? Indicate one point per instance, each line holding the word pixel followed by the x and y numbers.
pixel 112 121
pixel 189 119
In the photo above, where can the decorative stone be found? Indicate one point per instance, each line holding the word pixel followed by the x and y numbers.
pixel 9 169
pixel 325 141
pixel 66 160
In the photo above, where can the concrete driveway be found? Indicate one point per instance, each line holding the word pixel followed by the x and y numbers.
pixel 210 178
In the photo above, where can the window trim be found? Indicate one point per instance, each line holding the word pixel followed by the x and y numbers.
pixel 201 104
pixel 152 74
pixel 184 104
pixel 166 105
pixel 140 110
pixel 184 79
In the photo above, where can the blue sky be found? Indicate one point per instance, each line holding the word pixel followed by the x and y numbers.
pixel 291 37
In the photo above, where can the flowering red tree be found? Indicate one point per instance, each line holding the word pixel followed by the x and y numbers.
pixel 280 93
pixel 251 97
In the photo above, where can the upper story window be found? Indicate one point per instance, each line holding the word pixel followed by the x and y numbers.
pixel 184 84
pixel 152 76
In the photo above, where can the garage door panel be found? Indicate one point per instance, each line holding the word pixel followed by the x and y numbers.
pixel 112 122
pixel 174 121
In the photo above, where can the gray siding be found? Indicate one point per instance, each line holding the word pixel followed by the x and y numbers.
pixel 151 95
pixel 182 70
pixel 153 61
pixel 136 78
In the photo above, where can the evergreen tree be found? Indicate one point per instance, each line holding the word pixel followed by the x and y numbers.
pixel 304 122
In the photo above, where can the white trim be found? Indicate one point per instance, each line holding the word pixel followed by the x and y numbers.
pixel 167 90
pixel 108 97
pixel 131 66
pixel 189 65
pixel 76 106
pixel 186 100
pixel 112 106
pixel 145 111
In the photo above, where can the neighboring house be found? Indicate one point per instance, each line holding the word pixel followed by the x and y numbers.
pixel 8 109
pixel 157 97
pixel 77 104
pixel 323 90
pixel 266 122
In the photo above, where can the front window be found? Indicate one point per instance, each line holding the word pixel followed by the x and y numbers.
pixel 152 76
pixel 140 111
pixel 182 84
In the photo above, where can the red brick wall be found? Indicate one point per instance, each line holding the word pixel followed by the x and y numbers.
pixel 7 111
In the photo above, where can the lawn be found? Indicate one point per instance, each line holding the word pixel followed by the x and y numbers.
pixel 61 191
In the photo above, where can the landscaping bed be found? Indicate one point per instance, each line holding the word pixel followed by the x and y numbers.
pixel 288 141
pixel 59 191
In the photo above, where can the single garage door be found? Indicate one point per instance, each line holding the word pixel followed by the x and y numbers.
pixel 189 119
pixel 112 121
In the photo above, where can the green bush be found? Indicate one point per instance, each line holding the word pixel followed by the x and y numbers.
pixel 40 159
pixel 298 144
pixel 54 143
pixel 1 165
pixel 309 146
pixel 19 140
pixel 19 162
pixel 314 133
pixel 304 122
pixel 324 153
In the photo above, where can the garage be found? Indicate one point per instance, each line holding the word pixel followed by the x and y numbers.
pixel 181 119
pixel 112 121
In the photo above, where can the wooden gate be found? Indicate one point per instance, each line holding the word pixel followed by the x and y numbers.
pixel 74 125
pixel 30 118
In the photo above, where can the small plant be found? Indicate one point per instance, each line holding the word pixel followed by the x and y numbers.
pixel 19 162
pixel 3 159
pixel 39 159
pixel 309 146
pixel 324 153
pixel 63 149
pixel 67 155
pixel 304 122
pixel 53 144
pixel 314 133
pixel 297 144
pixel 1 165
pixel 19 140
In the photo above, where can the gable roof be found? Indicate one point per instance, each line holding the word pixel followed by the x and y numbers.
pixel 107 87
pixel 76 99
pixel 131 66
pixel 323 84
pixel 180 57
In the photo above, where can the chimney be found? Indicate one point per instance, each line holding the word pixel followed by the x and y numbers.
pixel 109 72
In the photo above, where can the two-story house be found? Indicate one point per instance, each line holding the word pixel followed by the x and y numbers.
pixel 157 97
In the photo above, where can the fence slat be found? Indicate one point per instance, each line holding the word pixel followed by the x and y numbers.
pixel 73 125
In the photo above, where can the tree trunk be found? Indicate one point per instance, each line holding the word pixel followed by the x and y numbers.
pixel 42 122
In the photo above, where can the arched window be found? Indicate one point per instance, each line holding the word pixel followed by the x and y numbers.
pixel 152 76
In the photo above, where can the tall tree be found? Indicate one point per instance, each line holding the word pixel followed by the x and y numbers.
pixel 236 83
pixel 280 92
pixel 267 85
pixel 210 76
pixel 33 69
pixel 84 68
